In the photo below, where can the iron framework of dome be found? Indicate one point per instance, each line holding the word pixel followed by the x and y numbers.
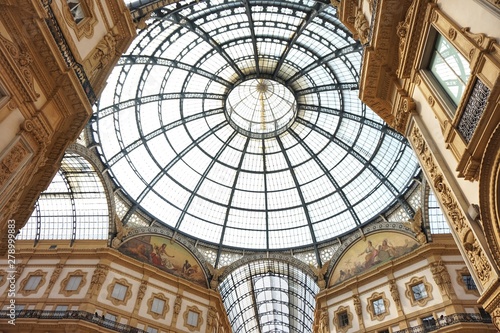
pixel 300 162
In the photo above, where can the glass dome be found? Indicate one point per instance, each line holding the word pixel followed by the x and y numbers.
pixel 238 123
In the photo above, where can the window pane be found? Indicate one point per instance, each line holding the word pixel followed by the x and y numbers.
pixel 419 291
pixel 119 292
pixel 378 306
pixel 192 319
pixel 74 282
pixel 33 282
pixel 450 69
pixel 157 306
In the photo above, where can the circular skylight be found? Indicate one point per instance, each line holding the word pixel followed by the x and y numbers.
pixel 238 123
pixel 260 108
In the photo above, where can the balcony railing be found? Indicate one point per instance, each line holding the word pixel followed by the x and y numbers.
pixel 73 315
pixel 447 321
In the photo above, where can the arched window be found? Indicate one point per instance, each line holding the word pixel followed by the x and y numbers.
pixel 74 206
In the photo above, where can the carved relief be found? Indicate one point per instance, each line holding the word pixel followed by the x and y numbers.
pixel 55 274
pixel 357 305
pixel 11 162
pixel 103 53
pixel 452 34
pixel 477 257
pixel 212 324
pixel 99 276
pixel 362 26
pixel 441 277
pixel 84 28
pixel 142 291
pixel 451 208
pixel 323 321
pixel 22 60
pixel 393 287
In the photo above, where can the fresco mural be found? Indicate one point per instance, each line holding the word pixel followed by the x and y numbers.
pixel 372 251
pixel 166 255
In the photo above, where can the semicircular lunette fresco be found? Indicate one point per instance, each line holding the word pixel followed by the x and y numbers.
pixel 374 250
pixel 166 255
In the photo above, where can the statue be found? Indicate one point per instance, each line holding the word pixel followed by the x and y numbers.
pixel 320 274
pixel 416 226
pixel 121 233
pixel 395 293
pixel 323 322
pixel 441 276
pixel 216 273
pixel 357 304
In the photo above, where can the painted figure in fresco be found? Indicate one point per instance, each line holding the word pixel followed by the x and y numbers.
pixel 386 251
pixel 160 256
pixel 370 254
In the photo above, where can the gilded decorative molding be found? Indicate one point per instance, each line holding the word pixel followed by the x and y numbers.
pixel 442 277
pixel 489 195
pixel 99 276
pixel 84 28
pixel 12 161
pixel 362 27
pixel 323 326
pixel 406 107
pixel 55 274
pixel 319 273
pixel 357 306
pixel 18 63
pixel 393 287
pixel 451 208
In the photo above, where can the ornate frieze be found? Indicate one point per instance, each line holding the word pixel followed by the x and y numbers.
pixel 451 208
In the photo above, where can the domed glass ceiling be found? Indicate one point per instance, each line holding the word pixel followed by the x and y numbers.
pixel 238 123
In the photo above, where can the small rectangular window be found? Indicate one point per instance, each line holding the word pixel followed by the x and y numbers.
pixel 378 306
pixel 119 291
pixel 343 319
pixel 192 318
pixel 157 305
pixel 76 9
pixel 469 282
pixel 419 291
pixel 74 282
pixel 152 330
pixel 33 282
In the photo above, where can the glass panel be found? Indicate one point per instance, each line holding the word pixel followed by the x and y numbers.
pixel 244 128
pixel 450 68
pixel 119 291
pixel 157 306
pixel 74 283
pixel 419 291
pixel 378 306
pixel 33 282
pixel 192 318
